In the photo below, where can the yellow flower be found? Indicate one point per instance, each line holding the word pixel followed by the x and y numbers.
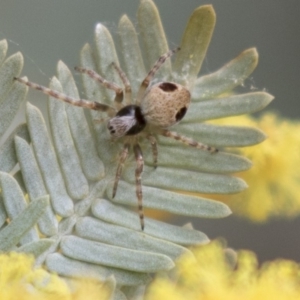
pixel 19 280
pixel 274 179
pixel 211 277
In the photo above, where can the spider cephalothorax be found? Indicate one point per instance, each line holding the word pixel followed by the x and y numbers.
pixel 157 106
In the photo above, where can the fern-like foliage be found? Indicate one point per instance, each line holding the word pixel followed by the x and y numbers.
pixel 60 203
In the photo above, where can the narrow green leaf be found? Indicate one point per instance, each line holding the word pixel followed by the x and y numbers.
pixel 106 55
pixel 184 157
pixel 47 161
pixel 3 214
pixel 108 212
pixel 15 230
pixel 34 185
pixel 153 37
pixel 227 78
pixel 194 44
pixel 166 178
pixel 3 50
pixel 229 106
pixel 15 203
pixel 231 257
pixel 131 53
pixel 8 157
pixel 10 105
pixel 68 267
pixel 75 181
pixel 93 90
pixel 8 70
pixel 100 231
pixel 112 256
pixel 85 144
pixel 37 248
pixel 172 202
pixel 220 135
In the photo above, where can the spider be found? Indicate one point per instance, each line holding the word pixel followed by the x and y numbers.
pixel 156 108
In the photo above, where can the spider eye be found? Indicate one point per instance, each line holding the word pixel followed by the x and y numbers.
pixel 168 86
pixel 111 130
pixel 180 114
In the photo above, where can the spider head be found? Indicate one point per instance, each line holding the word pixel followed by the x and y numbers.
pixel 165 104
pixel 129 120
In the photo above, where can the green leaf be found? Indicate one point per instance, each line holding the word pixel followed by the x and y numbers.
pixel 69 162
pixel 112 256
pixel 100 231
pixel 15 230
pixel 92 166
pixel 3 50
pixel 9 69
pixel 227 78
pixel 222 136
pixel 68 267
pixel 194 44
pixel 10 104
pixel 131 53
pixel 172 202
pixel 3 215
pixel 36 248
pixel 197 182
pixel 47 161
pixel 183 157
pixel 106 55
pixel 93 90
pixel 228 106
pixel 108 212
pixel 8 157
pixel 153 37
pixel 15 203
pixel 35 185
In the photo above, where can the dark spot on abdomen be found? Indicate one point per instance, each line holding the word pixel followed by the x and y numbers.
pixel 180 114
pixel 168 86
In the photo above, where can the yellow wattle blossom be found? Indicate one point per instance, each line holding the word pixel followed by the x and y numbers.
pixel 274 179
pixel 19 280
pixel 210 277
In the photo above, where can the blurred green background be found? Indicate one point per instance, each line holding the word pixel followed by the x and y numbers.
pixel 47 31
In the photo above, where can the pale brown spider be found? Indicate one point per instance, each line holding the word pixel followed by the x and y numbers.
pixel 156 108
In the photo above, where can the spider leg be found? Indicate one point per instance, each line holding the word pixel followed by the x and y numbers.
pixel 138 175
pixel 123 156
pixel 128 93
pixel 77 102
pixel 152 72
pixel 153 143
pixel 188 141
pixel 107 84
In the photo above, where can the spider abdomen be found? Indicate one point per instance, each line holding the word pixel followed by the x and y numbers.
pixel 165 104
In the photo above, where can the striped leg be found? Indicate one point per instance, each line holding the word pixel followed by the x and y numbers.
pixel 77 102
pixel 107 84
pixel 188 141
pixel 123 156
pixel 151 73
pixel 128 93
pixel 138 179
pixel 153 142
